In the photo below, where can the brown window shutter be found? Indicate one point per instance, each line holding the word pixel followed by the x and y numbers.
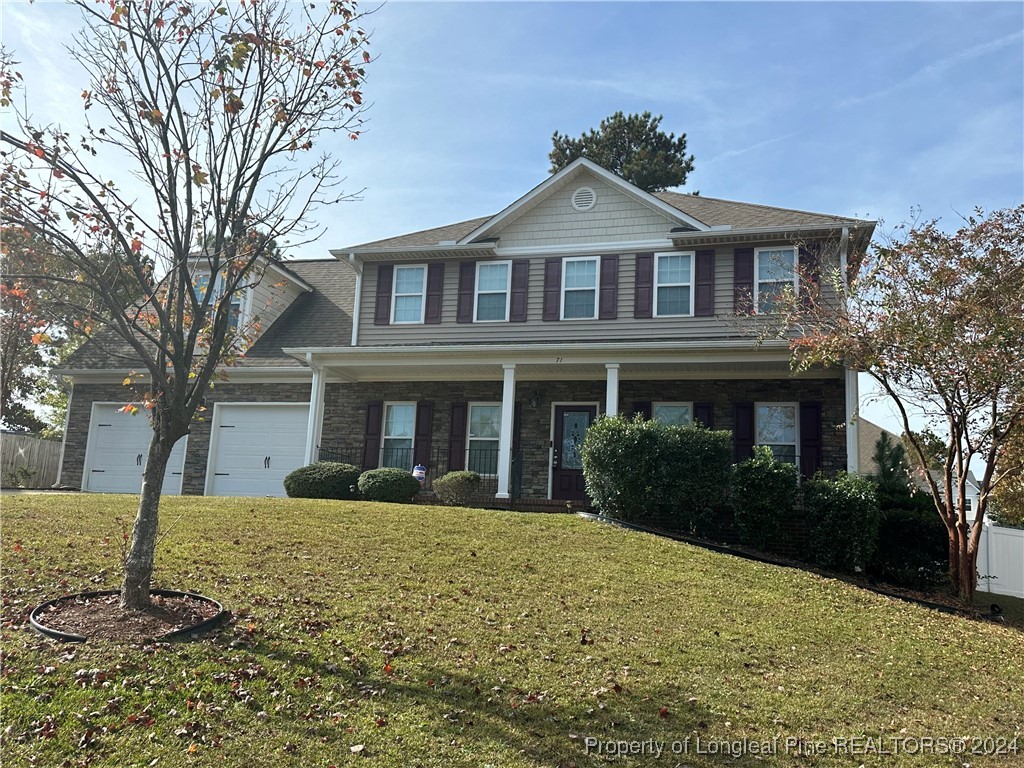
pixel 809 274
pixel 704 284
pixel 642 408
pixel 810 438
pixel 704 413
pixel 609 309
pixel 382 309
pixel 520 287
pixel 435 292
pixel 743 431
pixel 552 288
pixel 457 437
pixel 743 280
pixel 371 436
pixel 467 284
pixel 424 433
pixel 643 302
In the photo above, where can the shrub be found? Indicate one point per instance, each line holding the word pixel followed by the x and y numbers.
pixel 388 484
pixel 456 488
pixel 763 492
pixel 646 472
pixel 842 521
pixel 323 480
pixel 911 550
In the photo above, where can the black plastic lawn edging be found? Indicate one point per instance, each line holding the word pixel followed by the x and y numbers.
pixel 186 633
pixel 727 550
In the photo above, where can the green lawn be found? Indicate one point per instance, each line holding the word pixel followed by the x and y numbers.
pixel 436 636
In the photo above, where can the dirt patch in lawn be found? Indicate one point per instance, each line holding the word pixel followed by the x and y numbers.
pixel 100 617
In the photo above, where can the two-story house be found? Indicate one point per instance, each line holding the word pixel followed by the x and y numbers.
pixel 492 344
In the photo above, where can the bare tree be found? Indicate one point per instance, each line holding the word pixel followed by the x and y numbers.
pixel 213 111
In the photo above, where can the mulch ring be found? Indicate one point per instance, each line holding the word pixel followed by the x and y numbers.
pixel 98 616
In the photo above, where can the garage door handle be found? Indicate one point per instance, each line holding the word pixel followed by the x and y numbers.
pixel 97 470
pixel 138 460
pixel 266 463
pixel 221 474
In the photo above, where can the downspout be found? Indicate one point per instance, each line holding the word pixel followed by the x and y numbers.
pixel 357 266
pixel 852 387
pixel 67 420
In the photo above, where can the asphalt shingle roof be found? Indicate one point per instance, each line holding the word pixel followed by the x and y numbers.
pixel 321 318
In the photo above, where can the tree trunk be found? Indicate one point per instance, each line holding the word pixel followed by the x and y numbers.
pixel 963 563
pixel 138 565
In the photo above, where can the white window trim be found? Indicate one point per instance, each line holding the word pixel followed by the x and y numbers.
pixel 508 290
pixel 596 289
pixel 796 428
pixel 395 295
pixel 469 438
pixel 796 271
pixel 657 257
pixel 384 429
pixel 655 404
pixel 242 298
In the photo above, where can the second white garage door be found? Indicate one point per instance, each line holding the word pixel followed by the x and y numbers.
pixel 253 446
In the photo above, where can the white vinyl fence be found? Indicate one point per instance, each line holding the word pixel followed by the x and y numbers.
pixel 1001 560
pixel 28 461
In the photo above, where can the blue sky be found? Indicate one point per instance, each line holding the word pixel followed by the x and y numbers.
pixel 858 109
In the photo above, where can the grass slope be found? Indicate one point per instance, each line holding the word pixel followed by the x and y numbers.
pixel 406 635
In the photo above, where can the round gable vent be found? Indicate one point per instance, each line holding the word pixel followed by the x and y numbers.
pixel 584 198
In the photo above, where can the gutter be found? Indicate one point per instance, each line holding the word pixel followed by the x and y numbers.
pixel 357 267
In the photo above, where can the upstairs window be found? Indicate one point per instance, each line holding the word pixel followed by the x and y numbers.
pixel 407 296
pixel 776 427
pixel 579 288
pixel 493 280
pixel 202 285
pixel 674 281
pixel 774 269
pixel 673 414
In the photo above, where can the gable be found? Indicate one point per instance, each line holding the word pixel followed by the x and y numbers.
pixel 614 217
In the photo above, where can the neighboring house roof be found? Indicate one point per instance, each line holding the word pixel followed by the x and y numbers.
pixel 323 316
pixel 868 434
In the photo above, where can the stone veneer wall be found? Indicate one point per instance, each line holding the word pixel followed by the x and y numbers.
pixel 345 410
pixel 199 437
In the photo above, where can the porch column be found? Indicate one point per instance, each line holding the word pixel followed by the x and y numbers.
pixel 508 404
pixel 852 418
pixel 314 426
pixel 611 400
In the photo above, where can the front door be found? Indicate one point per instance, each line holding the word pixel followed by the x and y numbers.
pixel 571 424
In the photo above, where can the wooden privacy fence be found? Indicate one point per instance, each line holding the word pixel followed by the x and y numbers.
pixel 28 461
pixel 1001 560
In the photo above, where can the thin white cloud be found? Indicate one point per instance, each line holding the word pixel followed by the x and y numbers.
pixel 744 150
pixel 938 67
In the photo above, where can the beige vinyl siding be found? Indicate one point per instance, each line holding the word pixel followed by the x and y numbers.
pixel 724 324
pixel 271 297
pixel 615 218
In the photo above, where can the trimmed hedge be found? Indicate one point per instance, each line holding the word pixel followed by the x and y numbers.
pixel 842 521
pixel 323 480
pixel 388 484
pixel 763 492
pixel 646 472
pixel 913 546
pixel 456 488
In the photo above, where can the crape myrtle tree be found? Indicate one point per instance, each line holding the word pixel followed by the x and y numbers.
pixel 632 146
pixel 198 154
pixel 937 320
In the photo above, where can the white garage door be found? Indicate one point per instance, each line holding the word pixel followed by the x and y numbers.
pixel 115 454
pixel 253 446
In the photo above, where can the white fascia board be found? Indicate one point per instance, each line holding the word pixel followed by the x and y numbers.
pixel 416 252
pixel 589 249
pixel 254 374
pixel 442 355
pixel 725 235
pixel 541 191
pixel 287 274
